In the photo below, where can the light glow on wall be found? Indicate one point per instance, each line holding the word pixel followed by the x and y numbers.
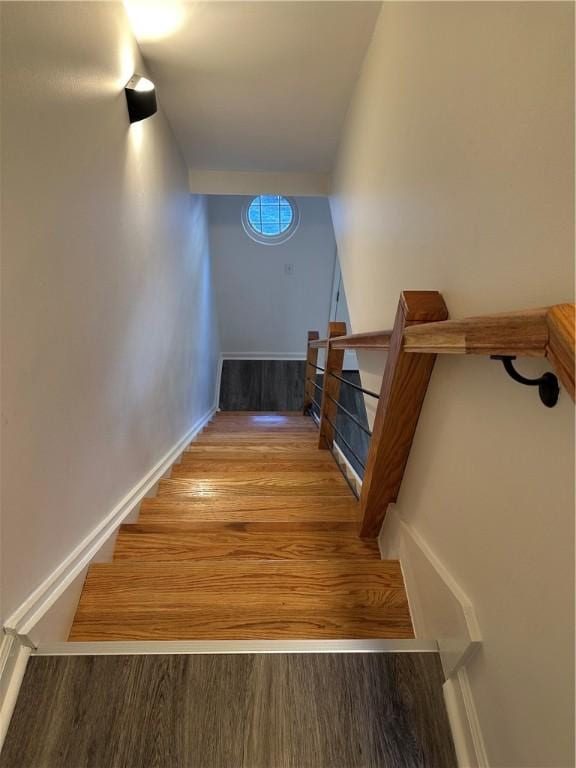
pixel 153 20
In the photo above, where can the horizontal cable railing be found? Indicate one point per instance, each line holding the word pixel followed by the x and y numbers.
pixel 354 386
pixel 351 416
pixel 422 331
pixel 346 443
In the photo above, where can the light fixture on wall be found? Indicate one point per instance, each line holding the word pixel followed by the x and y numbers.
pixel 141 98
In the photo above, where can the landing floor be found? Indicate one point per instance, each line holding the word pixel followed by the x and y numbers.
pixel 231 711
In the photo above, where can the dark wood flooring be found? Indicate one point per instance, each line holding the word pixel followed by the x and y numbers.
pixel 262 385
pixel 231 711
pixel 278 385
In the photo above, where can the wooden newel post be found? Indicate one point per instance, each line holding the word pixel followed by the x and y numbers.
pixel 310 371
pixel 404 386
pixel 331 386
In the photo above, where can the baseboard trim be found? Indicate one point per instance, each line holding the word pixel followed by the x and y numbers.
pixel 14 657
pixel 464 722
pixel 235 646
pixel 344 462
pixel 44 596
pixel 440 608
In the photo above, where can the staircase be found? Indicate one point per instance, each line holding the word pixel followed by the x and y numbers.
pixel 254 536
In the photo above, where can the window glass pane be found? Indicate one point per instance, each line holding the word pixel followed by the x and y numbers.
pixel 254 216
pixel 269 199
pixel 270 213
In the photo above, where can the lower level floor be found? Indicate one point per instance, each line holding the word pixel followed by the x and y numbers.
pixel 325 710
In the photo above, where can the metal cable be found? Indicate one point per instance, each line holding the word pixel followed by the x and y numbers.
pixel 314 384
pixel 346 443
pixel 341 468
pixel 354 386
pixel 350 415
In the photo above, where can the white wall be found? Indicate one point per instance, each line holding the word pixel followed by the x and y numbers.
pixel 455 173
pixel 262 311
pixel 253 182
pixel 108 342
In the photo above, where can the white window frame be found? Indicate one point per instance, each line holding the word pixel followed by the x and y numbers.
pixel 258 237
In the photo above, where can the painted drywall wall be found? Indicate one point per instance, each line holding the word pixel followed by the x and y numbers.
pixel 253 182
pixel 455 173
pixel 109 349
pixel 262 310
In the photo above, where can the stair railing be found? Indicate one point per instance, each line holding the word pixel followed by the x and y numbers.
pixel 422 331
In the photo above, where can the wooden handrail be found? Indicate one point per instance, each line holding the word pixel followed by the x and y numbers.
pixel 560 345
pixel 514 333
pixel 421 331
pixel 544 332
pixel 371 340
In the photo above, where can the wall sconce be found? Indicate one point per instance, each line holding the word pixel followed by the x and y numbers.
pixel 141 98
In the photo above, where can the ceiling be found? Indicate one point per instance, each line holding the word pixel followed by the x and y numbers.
pixel 255 86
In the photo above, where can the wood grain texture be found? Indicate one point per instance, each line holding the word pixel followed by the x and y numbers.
pixel 249 509
pixel 243 600
pixel 261 385
pixel 560 349
pixel 255 484
pixel 246 545
pixel 171 543
pixel 252 450
pixel 404 387
pixel 331 387
pixel 231 711
pixel 241 438
pixel 370 340
pixel 514 333
pixel 190 468
pixel 310 375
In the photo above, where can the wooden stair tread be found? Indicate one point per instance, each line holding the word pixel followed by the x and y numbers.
pixel 253 537
pixel 170 543
pixel 238 463
pixel 249 509
pixel 335 527
pixel 256 448
pixel 252 599
pixel 255 484
pixel 244 623
pixel 255 469
pixel 246 439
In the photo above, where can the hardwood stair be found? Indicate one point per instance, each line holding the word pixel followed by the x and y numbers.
pixel 254 536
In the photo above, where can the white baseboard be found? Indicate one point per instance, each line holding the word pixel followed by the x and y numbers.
pixel 13 659
pixel 441 610
pixel 464 723
pixel 45 595
pixel 353 477
pixel 440 607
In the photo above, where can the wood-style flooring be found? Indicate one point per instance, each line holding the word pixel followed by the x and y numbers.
pixel 262 385
pixel 254 536
pixel 231 711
